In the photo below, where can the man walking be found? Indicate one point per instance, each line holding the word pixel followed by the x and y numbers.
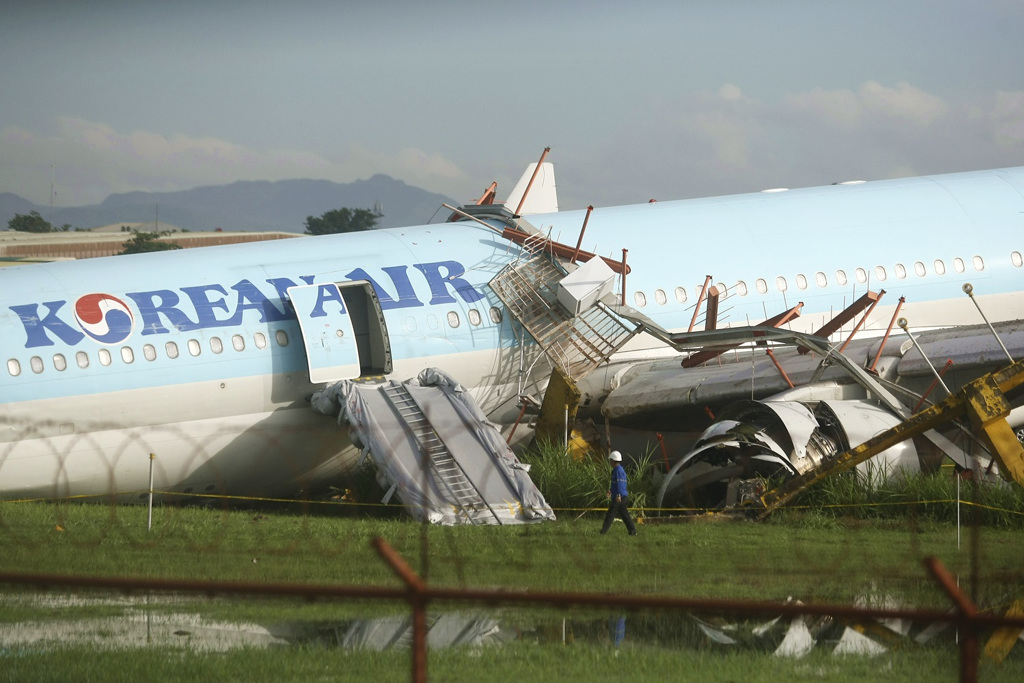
pixel 617 496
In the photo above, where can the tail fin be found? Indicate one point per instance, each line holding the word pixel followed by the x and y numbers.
pixel 542 197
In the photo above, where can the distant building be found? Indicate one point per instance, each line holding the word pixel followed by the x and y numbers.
pixel 21 247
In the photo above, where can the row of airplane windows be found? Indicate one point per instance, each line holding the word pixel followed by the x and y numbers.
pixel 454 321
pixel 195 348
pixel 105 357
pixel 821 279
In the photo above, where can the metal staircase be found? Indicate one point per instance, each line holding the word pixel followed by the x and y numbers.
pixel 448 473
pixel 578 345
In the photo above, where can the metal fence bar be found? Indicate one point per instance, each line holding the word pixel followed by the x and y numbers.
pixel 418 595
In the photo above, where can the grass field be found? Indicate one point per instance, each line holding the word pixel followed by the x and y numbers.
pixel 810 556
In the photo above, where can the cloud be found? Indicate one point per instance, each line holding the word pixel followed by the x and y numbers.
pixel 92 160
pixel 724 141
pixel 16 136
pixel 1008 119
pixel 419 163
pixel 713 142
pixel 872 100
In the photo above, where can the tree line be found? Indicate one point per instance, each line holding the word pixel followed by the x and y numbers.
pixel 330 223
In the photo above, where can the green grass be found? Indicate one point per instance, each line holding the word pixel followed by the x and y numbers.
pixel 573 485
pixel 813 554
pixel 805 554
pixel 843 542
pixel 923 497
pixel 595 663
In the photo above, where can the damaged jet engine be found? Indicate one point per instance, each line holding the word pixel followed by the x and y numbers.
pixel 754 445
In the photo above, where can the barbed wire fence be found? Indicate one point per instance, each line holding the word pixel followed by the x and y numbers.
pixel 416 589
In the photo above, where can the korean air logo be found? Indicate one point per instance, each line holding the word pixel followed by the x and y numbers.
pixel 104 318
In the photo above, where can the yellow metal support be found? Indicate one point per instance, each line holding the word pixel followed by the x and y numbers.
pixel 983 400
pixel 561 401
pixel 1003 639
pixel 988 408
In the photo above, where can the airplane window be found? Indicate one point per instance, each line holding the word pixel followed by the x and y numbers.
pixel 495 315
pixel 862 275
pixel 958 264
pixel 1017 259
pixel 193 347
pixel 474 317
pixel 723 291
pixel 901 272
pixel 640 298
pixel 171 349
pixel 432 321
pixel 60 363
pixel 14 367
pixel 780 282
pixel 36 363
pixel 282 338
pixel 681 295
pixel 453 319
pixel 801 282
pixel 260 340
pixel 978 263
pixel 761 285
pixel 237 343
pixel 149 352
pixel 841 277
pixel 104 356
pixel 880 273
pixel 410 324
pixel 127 355
pixel 919 269
pixel 940 267
pixel 741 287
pixel 82 358
pixel 659 296
pixel 820 279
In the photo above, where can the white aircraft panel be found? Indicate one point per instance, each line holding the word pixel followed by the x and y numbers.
pixel 326 332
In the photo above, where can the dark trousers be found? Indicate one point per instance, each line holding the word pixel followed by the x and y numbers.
pixel 618 508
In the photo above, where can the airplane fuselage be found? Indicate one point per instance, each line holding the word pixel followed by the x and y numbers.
pixel 198 358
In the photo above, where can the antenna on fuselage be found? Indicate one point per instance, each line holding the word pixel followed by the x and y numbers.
pixel 969 291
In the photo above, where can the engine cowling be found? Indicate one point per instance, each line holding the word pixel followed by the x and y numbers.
pixel 756 445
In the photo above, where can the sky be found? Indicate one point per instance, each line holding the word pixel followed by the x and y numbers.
pixel 637 100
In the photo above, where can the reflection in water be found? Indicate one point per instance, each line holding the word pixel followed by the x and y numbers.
pixel 136 625
pixel 617 629
pixel 385 633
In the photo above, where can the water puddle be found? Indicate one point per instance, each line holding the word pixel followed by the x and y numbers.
pixel 132 622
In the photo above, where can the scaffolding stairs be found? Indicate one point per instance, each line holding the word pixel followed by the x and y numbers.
pixel 575 344
pixel 447 472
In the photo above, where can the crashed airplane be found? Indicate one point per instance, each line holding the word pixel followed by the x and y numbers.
pixel 208 358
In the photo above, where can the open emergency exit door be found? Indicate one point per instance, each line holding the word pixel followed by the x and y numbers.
pixel 343 330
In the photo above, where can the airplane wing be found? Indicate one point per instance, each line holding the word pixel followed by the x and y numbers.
pixel 786 413
pixel 661 394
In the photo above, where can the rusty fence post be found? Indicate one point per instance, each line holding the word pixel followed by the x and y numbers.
pixel 417 600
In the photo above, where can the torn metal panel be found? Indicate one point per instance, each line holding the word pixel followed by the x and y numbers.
pixel 798 641
pixel 862 420
pixel 754 442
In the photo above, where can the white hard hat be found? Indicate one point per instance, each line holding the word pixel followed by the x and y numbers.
pixel 615 456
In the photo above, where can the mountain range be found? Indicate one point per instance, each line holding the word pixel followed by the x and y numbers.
pixel 282 205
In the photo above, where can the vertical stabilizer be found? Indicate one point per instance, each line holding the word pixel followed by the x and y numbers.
pixel 542 197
